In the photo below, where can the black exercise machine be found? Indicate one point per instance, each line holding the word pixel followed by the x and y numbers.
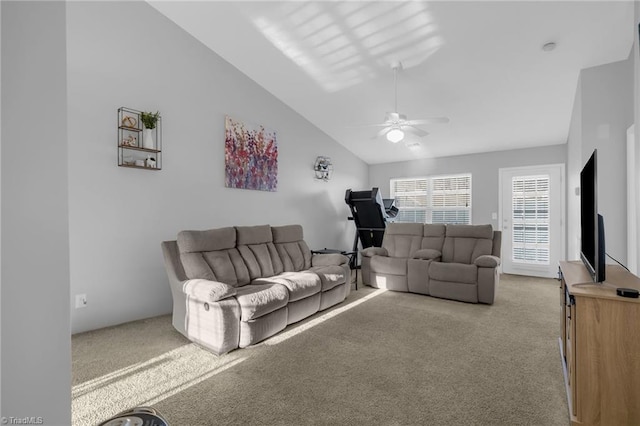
pixel 370 212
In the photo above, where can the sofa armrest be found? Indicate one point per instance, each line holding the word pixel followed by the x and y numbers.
pixel 427 254
pixel 329 259
pixel 487 261
pixel 208 291
pixel 374 251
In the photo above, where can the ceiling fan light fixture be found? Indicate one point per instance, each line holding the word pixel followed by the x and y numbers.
pixel 395 135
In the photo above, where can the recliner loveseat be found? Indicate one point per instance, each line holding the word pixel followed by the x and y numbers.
pixel 233 287
pixel 457 262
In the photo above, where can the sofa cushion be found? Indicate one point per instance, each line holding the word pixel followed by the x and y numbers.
pixel 291 248
pixel 328 259
pixel 389 265
pixel 258 300
pixel 464 243
pixel 209 240
pixel 262 260
pixel 453 272
pixel 300 284
pixel 287 233
pixel 247 235
pixel 255 245
pixel 211 255
pixel 402 239
pixel 208 291
pixel 330 276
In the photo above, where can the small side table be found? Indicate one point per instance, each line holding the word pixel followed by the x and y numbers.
pixel 351 254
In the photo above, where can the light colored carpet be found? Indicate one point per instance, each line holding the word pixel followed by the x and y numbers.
pixel 380 357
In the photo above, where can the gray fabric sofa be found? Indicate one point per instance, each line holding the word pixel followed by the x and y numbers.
pixel 235 286
pixel 457 262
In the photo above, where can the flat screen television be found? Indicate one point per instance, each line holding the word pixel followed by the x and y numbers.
pixel 592 251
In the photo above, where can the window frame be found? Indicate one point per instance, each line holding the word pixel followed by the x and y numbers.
pixel 429 209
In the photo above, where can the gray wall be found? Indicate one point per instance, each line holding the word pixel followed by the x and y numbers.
pixel 483 168
pixel 128 54
pixel 36 341
pixel 601 116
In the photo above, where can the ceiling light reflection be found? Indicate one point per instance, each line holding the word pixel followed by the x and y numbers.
pixel 341 44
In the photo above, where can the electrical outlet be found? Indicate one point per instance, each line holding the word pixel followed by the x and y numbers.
pixel 81 301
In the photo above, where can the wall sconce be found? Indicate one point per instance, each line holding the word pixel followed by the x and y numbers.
pixel 323 168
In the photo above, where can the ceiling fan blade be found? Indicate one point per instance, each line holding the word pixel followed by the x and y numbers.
pixel 414 131
pixel 431 120
pixel 377 125
pixel 382 132
pixel 369 125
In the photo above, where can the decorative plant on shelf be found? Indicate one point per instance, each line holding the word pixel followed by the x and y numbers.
pixel 150 120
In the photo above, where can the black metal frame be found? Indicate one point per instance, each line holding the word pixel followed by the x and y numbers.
pixel 368 213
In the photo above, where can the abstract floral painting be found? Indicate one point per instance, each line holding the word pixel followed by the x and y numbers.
pixel 251 156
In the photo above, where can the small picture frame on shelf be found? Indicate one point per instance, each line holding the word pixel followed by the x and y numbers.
pixel 129 121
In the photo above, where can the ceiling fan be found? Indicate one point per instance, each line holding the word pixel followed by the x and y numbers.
pixel 396 125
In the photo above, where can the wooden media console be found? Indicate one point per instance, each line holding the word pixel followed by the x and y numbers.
pixel 600 346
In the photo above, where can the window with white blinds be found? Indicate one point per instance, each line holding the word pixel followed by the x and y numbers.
pixel 436 199
pixel 530 218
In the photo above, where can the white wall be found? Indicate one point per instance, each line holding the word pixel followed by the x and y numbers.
pixel 128 54
pixel 36 341
pixel 574 165
pixel 0 213
pixel 635 54
pixel 606 113
pixel 483 168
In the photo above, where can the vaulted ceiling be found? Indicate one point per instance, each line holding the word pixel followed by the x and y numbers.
pixel 481 64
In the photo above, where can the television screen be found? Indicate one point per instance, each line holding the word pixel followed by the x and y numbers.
pixel 591 224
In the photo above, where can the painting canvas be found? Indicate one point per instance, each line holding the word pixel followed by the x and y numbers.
pixel 251 156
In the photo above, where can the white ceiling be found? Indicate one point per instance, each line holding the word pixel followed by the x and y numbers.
pixel 479 63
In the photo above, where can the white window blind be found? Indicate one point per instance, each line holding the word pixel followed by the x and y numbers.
pixel 437 199
pixel 530 218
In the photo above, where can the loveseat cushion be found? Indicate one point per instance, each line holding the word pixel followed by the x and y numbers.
pixel 374 251
pixel 453 272
pixel 433 236
pixel 300 284
pixel 330 276
pixel 486 261
pixel 427 254
pixel 402 239
pixel 291 248
pixel 211 255
pixel 258 300
pixel 389 265
pixel 464 243
pixel 208 291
